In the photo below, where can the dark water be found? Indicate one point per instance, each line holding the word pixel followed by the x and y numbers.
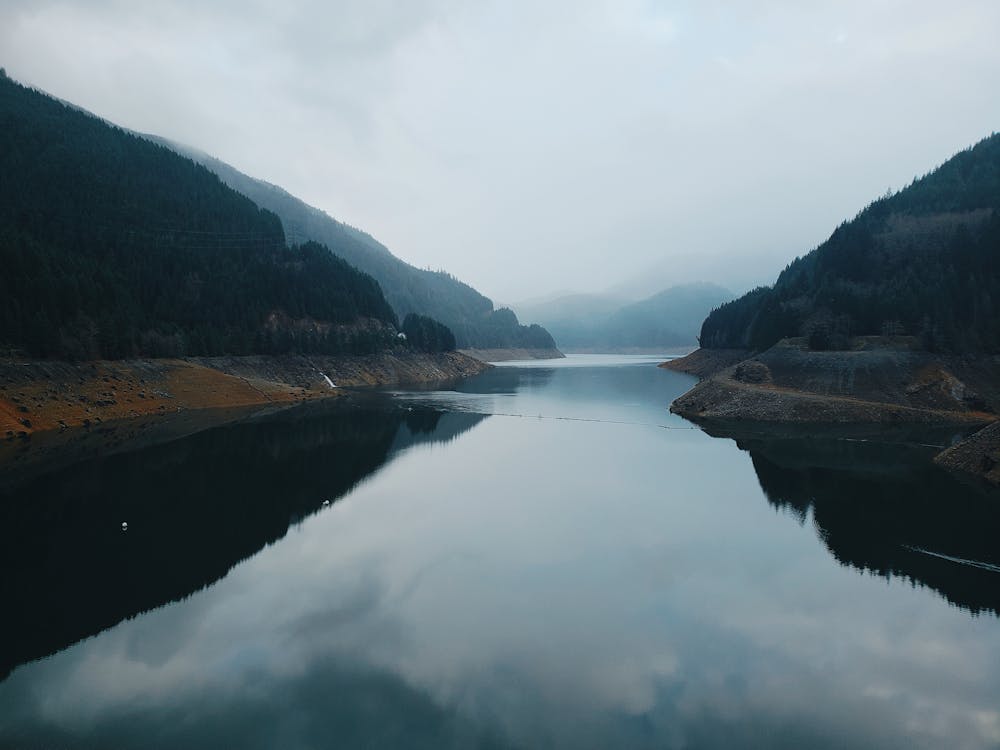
pixel 544 557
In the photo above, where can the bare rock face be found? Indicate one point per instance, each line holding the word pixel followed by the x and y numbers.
pixel 936 387
pixel 875 380
pixel 978 455
pixel 752 371
pixel 704 363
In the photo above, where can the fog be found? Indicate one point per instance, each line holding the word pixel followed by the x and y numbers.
pixel 532 148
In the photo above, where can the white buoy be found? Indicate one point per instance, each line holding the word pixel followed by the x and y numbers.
pixel 326 503
pixel 124 526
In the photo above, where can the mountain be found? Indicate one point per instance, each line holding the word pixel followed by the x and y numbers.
pixel 112 246
pixel 563 308
pixel 437 294
pixel 670 318
pixel 924 261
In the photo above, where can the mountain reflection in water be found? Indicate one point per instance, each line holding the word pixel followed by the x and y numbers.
pixel 884 508
pixel 581 570
pixel 194 508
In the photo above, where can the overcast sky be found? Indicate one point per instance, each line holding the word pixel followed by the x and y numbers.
pixel 535 147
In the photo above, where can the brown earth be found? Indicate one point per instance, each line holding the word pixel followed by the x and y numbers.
pixel 41 396
pixel 55 413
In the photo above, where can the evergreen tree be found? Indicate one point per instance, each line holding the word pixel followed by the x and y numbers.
pixel 924 261
pixel 115 247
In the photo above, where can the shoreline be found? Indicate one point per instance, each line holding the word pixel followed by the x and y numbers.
pixel 40 396
pixel 53 414
pixel 509 355
pixel 878 383
pixel 978 455
pixel 875 381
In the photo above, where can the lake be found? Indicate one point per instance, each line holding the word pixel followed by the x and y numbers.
pixel 541 556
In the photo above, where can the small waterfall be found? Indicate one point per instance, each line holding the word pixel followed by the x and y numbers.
pixel 325 376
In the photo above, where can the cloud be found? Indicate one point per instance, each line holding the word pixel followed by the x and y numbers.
pixel 529 147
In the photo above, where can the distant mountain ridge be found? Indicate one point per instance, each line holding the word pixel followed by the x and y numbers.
pixel 469 314
pixel 924 261
pixel 668 319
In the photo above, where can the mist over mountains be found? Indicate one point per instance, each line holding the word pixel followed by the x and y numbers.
pixel 437 294
pixel 593 322
pixel 116 244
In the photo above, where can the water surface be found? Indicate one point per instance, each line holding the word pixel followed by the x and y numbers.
pixel 541 556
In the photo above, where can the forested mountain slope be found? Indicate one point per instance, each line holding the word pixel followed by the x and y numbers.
pixel 924 261
pixel 437 294
pixel 112 246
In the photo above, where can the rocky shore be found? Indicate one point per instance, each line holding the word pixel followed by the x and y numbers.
pixel 877 381
pixel 703 363
pixel 978 455
pixel 39 396
pixel 56 413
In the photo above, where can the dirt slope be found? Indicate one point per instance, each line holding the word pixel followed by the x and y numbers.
pixel 878 380
pixel 978 455
pixel 41 396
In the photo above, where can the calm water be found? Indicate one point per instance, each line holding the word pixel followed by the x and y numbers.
pixel 542 557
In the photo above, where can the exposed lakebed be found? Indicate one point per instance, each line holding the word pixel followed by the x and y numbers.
pixel 541 555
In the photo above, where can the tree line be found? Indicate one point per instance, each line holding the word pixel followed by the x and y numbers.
pixel 113 247
pixel 923 262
